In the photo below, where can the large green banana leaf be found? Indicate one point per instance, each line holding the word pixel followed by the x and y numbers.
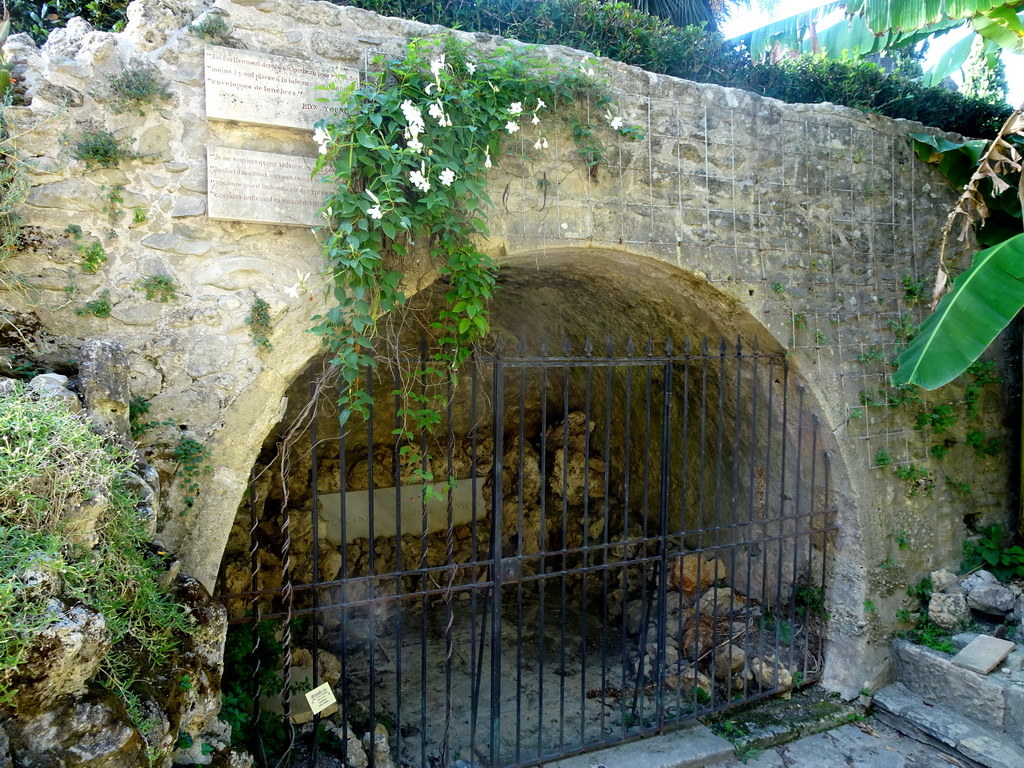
pixel 983 300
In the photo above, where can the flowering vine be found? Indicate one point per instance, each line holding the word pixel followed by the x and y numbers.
pixel 406 159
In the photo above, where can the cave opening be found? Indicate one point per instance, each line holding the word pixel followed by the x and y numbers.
pixel 636 529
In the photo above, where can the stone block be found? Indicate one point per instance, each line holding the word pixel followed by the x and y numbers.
pixel 103 378
pixel 931 674
pixel 950 612
pixel 983 654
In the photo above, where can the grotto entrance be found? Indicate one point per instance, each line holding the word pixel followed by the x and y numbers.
pixel 634 537
pixel 637 532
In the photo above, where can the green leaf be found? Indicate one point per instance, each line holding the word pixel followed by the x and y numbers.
pixel 983 300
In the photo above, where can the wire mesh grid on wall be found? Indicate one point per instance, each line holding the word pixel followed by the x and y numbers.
pixel 820 221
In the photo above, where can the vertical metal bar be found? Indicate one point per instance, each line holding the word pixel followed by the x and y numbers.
pixel 719 523
pixel 764 527
pixel 751 492
pixel 588 352
pixel 450 562
pixel 609 350
pixel 566 350
pixel 811 586
pixel 520 552
pixel 734 512
pixel 683 490
pixel 424 561
pixel 663 502
pixel 624 571
pixel 496 575
pixel 342 492
pixel 314 461
pixel 647 582
pixel 474 690
pixel 782 514
pixel 541 720
pixel 397 470
pixel 702 524
pixel 372 565
pixel 798 520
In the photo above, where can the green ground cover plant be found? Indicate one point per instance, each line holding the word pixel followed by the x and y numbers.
pixel 53 463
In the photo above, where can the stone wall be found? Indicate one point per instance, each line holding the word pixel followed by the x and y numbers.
pixel 800 227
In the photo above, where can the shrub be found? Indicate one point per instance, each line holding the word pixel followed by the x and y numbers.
pixel 620 32
pixel 136 87
pixel 102 148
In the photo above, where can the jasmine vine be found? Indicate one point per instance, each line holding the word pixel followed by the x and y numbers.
pixel 406 160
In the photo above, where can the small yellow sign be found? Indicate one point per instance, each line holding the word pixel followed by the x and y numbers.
pixel 320 698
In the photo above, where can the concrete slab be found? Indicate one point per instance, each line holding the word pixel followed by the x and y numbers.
pixel 983 654
pixel 692 746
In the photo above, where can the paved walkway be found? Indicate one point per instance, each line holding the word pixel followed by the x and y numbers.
pixel 869 744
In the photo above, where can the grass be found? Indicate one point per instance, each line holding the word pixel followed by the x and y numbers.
pixel 53 463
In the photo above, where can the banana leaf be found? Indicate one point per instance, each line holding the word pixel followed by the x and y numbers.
pixel 983 300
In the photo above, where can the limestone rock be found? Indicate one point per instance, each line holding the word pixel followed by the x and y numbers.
pixel 729 660
pixel 41 578
pixel 52 385
pixel 572 433
pixel 62 657
pixel 770 673
pixel 380 746
pixel 986 594
pixel 92 731
pixel 950 612
pixel 145 483
pixel 696 571
pixel 103 378
pixel 383 470
pixel 355 752
pixel 943 579
pixel 688 679
pixel 80 520
pixel 577 476
pixel 721 600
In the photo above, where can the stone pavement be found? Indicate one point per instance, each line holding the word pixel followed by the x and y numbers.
pixel 869 744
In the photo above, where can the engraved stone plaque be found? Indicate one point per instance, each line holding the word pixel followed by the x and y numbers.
pixel 262 187
pixel 260 88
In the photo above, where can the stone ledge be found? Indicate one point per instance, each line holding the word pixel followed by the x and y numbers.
pixel 973 743
pixel 995 699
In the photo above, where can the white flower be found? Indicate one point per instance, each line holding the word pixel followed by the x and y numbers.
pixel 413 116
pixel 471 67
pixel 541 143
pixel 418 178
pixel 540 105
pixel 487 159
pixel 292 291
pixel 616 123
pixel 429 88
pixel 515 108
pixel 415 144
pixel 447 177
pixel 494 88
pixel 511 126
pixel 436 65
pixel 436 111
pixel 589 71
pixel 374 212
pixel 373 197
pixel 535 119
pixel 321 137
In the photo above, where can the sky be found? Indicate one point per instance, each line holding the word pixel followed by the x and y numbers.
pixel 744 20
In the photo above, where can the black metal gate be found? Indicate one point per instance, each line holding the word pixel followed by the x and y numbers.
pixel 633 538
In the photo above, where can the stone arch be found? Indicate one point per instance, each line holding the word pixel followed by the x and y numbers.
pixel 596 293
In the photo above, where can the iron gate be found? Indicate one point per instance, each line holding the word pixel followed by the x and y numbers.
pixel 633 538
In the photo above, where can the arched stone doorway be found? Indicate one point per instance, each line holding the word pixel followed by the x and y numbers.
pixel 715 500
